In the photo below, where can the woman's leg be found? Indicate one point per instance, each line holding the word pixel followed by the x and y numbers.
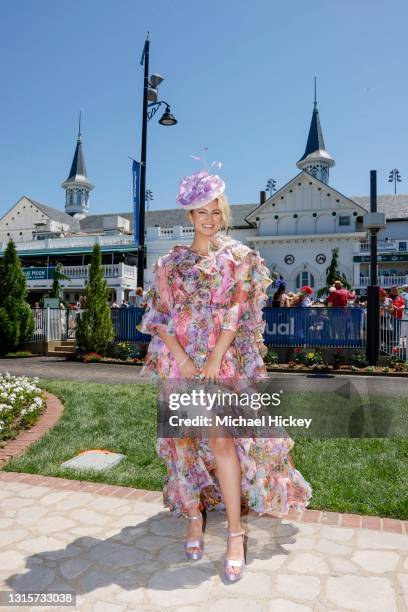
pixel 195 527
pixel 229 477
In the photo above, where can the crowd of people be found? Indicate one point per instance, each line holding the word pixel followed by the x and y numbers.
pixel 393 309
pixel 394 301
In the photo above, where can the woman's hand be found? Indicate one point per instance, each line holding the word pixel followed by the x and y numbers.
pixel 188 369
pixel 212 367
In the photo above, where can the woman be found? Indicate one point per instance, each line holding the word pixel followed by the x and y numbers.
pixel 204 311
pixel 280 298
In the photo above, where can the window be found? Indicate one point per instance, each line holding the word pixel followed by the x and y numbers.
pixel 402 246
pixel 79 199
pixel 305 278
pixel 71 198
pixel 344 220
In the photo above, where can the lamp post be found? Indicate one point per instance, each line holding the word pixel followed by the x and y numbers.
pixel 394 177
pixel 149 101
pixel 374 222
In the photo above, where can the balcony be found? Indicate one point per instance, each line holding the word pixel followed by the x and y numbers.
pixel 169 233
pixel 386 281
pixel 119 270
pixel 66 243
pixel 384 246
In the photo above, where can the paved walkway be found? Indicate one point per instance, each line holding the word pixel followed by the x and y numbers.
pixel 121 551
pixel 58 367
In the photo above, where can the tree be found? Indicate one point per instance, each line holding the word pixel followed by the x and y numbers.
pixel 94 330
pixel 333 274
pixel 55 291
pixel 16 319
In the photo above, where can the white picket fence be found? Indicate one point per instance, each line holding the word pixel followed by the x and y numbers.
pixel 54 323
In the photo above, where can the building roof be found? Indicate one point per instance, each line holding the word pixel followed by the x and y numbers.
pixel 57 215
pixel 315 149
pixel 166 218
pixel 77 173
pixel 78 163
pixel 393 206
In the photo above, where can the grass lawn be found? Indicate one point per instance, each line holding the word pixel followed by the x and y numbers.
pixel 363 476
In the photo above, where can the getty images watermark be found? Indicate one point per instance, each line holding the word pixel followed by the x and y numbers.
pixel 201 399
pixel 298 406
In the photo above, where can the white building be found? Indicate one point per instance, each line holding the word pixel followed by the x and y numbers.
pixel 295 230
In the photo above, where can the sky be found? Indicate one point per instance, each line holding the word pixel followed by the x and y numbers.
pixel 239 77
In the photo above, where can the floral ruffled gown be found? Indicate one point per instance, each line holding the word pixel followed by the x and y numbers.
pixel 195 297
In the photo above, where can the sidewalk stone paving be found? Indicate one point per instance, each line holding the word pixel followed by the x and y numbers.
pixel 120 550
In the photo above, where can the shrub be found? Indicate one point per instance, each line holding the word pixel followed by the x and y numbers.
pixel 394 360
pixel 16 319
pixel 271 357
pixel 124 350
pixel 402 366
pixel 309 358
pixel 359 360
pixel 94 328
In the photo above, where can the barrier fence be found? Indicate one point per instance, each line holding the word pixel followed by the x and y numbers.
pixel 285 327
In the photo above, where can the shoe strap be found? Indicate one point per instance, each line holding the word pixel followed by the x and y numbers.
pixel 234 562
pixel 193 543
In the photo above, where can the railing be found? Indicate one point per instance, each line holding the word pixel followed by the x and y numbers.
pixel 320 326
pixel 386 281
pixel 75 241
pixel 285 327
pixel 118 270
pixel 54 323
pixel 382 245
pixel 394 336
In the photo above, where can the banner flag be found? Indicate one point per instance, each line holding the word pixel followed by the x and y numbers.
pixel 136 200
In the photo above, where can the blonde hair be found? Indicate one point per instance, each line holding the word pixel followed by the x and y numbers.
pixel 226 217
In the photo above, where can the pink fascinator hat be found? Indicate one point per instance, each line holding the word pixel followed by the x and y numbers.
pixel 200 188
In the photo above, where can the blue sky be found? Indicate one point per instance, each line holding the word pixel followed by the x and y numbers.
pixel 239 78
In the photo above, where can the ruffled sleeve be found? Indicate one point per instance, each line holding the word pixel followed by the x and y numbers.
pixel 159 302
pixel 248 297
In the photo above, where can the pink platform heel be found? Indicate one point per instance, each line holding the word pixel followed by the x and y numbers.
pixel 197 554
pixel 235 576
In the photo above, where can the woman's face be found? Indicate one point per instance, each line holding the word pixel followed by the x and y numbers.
pixel 208 219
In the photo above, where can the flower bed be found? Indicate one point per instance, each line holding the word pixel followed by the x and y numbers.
pixel 97 358
pixel 311 360
pixel 21 403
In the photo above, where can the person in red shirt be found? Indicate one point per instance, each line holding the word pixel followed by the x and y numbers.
pixel 340 296
pixel 339 322
pixel 397 307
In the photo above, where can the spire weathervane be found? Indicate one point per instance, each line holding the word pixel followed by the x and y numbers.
pixel 315 98
pixel 79 127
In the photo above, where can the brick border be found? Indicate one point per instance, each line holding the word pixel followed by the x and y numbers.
pixel 51 415
pixel 321 517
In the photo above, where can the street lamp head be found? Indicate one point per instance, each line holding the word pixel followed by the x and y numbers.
pixel 152 95
pixel 155 80
pixel 167 118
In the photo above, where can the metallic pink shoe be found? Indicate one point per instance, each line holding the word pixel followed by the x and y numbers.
pixel 235 576
pixel 195 555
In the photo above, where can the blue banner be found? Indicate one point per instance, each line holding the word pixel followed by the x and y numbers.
pixel 136 200
pixel 330 327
